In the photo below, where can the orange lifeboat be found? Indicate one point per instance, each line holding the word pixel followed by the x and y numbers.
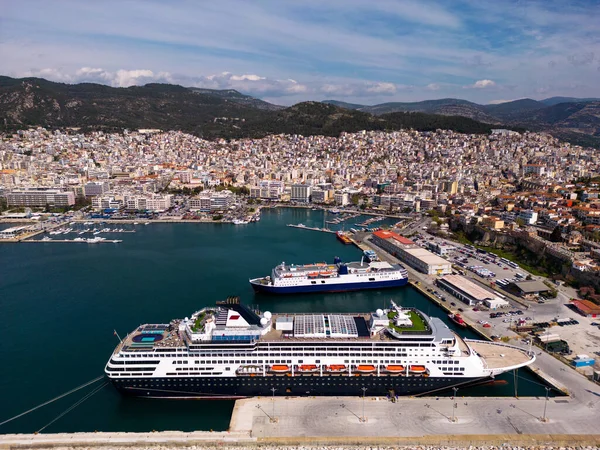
pixel 280 368
pixel 307 368
pixel 418 369
pixel 336 368
pixel 313 274
pixel 395 369
pixel 366 369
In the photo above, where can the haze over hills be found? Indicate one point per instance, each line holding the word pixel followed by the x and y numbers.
pixel 575 120
pixel 231 114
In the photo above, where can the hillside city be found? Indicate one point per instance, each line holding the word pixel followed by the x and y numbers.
pixel 525 193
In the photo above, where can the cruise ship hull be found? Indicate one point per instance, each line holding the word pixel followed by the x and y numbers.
pixel 328 287
pixel 313 385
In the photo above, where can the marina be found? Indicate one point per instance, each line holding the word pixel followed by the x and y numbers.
pixel 74 241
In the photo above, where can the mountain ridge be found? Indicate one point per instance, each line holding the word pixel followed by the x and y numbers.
pixel 577 121
pixel 231 114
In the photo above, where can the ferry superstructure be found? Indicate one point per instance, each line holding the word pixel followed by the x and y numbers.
pixel 336 277
pixel 230 351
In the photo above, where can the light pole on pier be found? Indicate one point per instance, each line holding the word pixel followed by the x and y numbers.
pixel 364 419
pixel 454 403
pixel 544 418
pixel 273 419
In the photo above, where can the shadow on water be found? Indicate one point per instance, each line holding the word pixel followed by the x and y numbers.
pixel 61 302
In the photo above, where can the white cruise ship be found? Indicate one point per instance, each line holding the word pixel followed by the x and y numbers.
pixel 336 277
pixel 230 351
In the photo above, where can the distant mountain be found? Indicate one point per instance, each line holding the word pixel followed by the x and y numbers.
pixel 35 101
pixel 576 121
pixel 514 110
pixel 343 104
pixel 317 118
pixel 426 106
pixel 556 100
pixel 445 106
pixel 237 97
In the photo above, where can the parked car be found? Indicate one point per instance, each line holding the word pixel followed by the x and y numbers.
pixel 453 304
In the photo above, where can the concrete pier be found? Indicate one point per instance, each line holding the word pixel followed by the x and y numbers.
pixel 324 230
pixel 415 417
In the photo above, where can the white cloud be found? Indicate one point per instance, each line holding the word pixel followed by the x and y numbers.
pixel 359 89
pixel 251 84
pixel 497 102
pixel 381 88
pixel 482 84
pixel 393 41
pixel 247 78
pixel 246 83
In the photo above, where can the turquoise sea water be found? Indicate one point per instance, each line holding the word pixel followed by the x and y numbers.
pixel 60 303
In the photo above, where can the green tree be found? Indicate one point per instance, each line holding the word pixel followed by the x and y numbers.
pixel 556 235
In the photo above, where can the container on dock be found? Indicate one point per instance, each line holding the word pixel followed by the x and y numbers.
pixel 583 361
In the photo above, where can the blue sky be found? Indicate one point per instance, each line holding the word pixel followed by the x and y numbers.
pixel 364 51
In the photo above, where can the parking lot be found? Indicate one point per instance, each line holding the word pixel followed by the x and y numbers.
pixel 556 315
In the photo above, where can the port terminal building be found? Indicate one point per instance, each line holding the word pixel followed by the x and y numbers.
pixel 470 293
pixel 410 253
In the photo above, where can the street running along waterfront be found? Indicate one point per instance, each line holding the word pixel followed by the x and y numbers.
pixel 61 303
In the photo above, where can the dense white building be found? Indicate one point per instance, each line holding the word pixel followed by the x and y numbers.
pixel 153 202
pixel 93 188
pixel 301 193
pixel 529 216
pixel 40 197
pixel 212 201
pixel 341 198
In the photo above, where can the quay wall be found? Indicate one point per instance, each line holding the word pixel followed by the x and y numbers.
pixel 207 440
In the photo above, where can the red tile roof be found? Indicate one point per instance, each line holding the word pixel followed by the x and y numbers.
pixel 384 234
pixel 586 307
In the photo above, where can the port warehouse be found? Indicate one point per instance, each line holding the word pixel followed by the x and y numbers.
pixel 586 308
pixel 530 287
pixel 469 292
pixel 410 253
